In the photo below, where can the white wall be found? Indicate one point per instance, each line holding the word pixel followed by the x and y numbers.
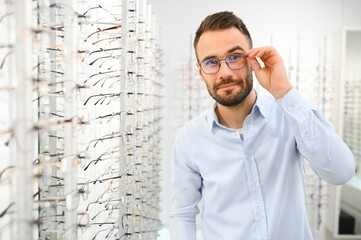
pixel 281 23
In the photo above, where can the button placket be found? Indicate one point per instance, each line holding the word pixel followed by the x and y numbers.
pixel 257 200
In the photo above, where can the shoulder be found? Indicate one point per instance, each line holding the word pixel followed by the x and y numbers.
pixel 198 123
pixel 267 105
pixel 195 127
pixel 188 140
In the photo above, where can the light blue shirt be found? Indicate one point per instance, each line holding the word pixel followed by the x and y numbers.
pixel 253 188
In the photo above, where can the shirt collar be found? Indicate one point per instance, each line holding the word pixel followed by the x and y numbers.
pixel 212 117
pixel 262 107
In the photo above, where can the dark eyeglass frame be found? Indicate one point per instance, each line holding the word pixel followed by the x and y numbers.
pixel 227 60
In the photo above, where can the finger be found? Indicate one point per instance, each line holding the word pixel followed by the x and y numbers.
pixel 264 54
pixel 254 57
pixel 255 51
pixel 268 55
pixel 252 53
pixel 254 64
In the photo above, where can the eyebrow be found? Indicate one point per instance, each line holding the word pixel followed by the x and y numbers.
pixel 237 47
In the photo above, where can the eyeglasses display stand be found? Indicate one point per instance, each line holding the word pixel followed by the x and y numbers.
pixel 81 95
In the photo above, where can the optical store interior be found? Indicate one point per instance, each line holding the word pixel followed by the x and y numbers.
pixel 93 94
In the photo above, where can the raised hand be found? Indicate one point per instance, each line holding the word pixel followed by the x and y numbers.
pixel 272 76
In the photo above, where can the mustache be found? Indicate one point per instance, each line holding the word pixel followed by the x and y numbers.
pixel 226 81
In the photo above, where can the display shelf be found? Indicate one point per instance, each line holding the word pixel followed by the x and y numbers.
pixel 81 90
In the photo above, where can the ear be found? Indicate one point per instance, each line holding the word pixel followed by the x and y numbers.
pixel 200 72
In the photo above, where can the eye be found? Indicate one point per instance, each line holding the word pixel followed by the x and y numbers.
pixel 210 62
pixel 234 58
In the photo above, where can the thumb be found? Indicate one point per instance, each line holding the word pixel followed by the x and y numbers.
pixel 259 72
pixel 257 69
pixel 254 64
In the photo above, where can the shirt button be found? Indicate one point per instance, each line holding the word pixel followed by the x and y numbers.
pixel 307 135
pixel 290 108
pixel 254 184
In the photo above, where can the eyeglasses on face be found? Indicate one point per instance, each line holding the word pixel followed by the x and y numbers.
pixel 234 61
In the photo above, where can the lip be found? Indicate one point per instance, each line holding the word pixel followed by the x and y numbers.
pixel 228 86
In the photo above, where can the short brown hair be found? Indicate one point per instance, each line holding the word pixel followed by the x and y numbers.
pixel 220 21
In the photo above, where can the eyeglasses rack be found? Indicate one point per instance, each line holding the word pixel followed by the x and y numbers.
pixel 80 130
pixel 190 97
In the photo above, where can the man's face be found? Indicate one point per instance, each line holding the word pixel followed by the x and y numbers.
pixel 228 87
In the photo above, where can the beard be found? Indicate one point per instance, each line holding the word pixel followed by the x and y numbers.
pixel 232 98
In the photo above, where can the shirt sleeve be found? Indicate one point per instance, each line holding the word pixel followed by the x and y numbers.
pixel 186 193
pixel 316 140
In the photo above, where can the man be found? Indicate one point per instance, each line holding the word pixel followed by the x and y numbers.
pixel 245 156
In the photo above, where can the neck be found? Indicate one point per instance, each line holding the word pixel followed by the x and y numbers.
pixel 233 117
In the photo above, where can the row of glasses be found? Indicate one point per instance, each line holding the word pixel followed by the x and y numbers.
pixel 191 96
pixel 14 151
pixel 97 134
pixel 121 106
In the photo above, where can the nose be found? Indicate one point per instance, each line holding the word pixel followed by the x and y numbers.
pixel 224 69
